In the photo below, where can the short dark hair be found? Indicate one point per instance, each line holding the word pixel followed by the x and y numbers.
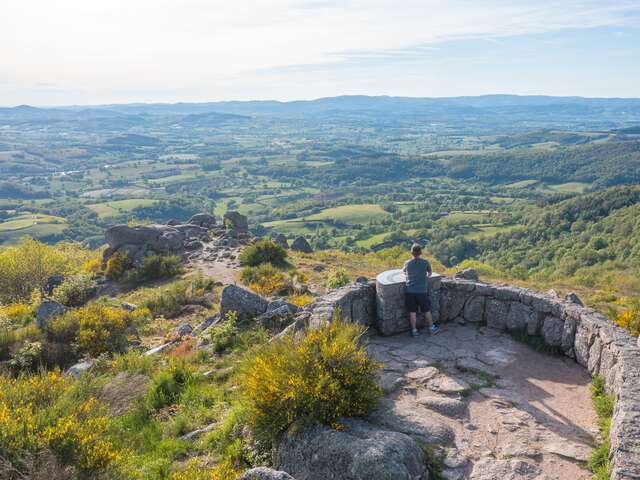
pixel 416 249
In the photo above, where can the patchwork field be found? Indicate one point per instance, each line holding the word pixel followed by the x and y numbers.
pixel 34 225
pixel 119 207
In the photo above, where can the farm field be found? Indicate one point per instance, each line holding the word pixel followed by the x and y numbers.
pixel 119 207
pixel 34 225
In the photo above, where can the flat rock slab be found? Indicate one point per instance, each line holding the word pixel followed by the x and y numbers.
pixel 450 407
pixel 390 381
pixel 492 469
pixel 448 385
pixel 422 374
pixel 574 451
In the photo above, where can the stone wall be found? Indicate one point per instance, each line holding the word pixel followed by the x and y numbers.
pixel 391 314
pixel 354 303
pixel 580 333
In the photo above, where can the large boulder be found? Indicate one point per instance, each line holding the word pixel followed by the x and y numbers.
pixel 47 310
pixel 205 220
pixel 282 241
pixel 263 473
pixel 247 304
pixel 467 274
pixel 53 282
pixel 236 221
pixel 301 244
pixel 120 235
pixel 360 451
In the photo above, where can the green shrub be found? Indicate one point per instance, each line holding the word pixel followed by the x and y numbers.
pixel 28 358
pixel 76 290
pixel 155 267
pixel 167 301
pixel 224 335
pixel 167 385
pixel 319 379
pixel 26 266
pixel 117 266
pixel 263 251
pixel 337 278
pixel 94 328
pixel 7 339
pixel 266 280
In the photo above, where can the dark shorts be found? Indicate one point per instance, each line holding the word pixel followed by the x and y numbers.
pixel 417 301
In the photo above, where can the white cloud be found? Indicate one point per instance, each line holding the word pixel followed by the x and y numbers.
pixel 210 49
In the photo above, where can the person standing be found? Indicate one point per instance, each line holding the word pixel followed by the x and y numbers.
pixel 417 272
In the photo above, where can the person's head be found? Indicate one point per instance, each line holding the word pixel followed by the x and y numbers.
pixel 416 250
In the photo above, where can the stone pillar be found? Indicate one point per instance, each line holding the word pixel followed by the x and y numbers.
pixel 392 315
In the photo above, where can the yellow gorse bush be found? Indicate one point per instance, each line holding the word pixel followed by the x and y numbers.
pixel 33 420
pixel 630 320
pixel 16 312
pixel 27 266
pixel 319 379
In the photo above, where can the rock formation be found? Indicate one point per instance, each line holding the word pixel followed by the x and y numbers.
pixel 282 241
pixel 245 303
pixel 358 452
pixel 301 244
pixel 141 241
pixel 235 221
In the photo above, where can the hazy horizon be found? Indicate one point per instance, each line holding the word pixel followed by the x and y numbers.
pixel 293 100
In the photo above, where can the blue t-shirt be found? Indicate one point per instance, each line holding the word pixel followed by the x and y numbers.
pixel 415 271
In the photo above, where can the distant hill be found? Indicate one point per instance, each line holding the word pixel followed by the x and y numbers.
pixel 211 119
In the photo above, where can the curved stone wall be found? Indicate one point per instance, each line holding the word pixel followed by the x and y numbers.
pixel 581 333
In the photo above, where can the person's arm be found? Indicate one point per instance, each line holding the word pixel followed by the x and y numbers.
pixel 429 271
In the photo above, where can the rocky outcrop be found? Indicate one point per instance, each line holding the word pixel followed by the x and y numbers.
pixel 357 452
pixel 263 473
pixel 301 244
pixel 245 303
pixel 204 220
pixel 467 274
pixel 236 221
pixel 141 241
pixel 282 241
pixel 47 310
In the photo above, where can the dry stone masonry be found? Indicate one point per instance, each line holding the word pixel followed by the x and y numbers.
pixel 578 332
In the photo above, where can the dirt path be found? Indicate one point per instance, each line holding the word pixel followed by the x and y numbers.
pixel 500 409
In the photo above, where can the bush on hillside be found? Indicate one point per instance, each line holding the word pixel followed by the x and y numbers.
pixel 117 265
pixel 167 385
pixel 267 280
pixel 224 335
pixel 337 278
pixel 76 290
pixel 319 379
pixel 630 319
pixel 26 266
pixel 263 251
pixel 155 267
pixel 16 314
pixel 167 301
pixel 43 433
pixel 94 328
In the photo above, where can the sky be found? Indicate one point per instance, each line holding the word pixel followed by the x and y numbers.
pixel 83 52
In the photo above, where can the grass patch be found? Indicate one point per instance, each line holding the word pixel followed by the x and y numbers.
pixel 434 463
pixel 603 403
